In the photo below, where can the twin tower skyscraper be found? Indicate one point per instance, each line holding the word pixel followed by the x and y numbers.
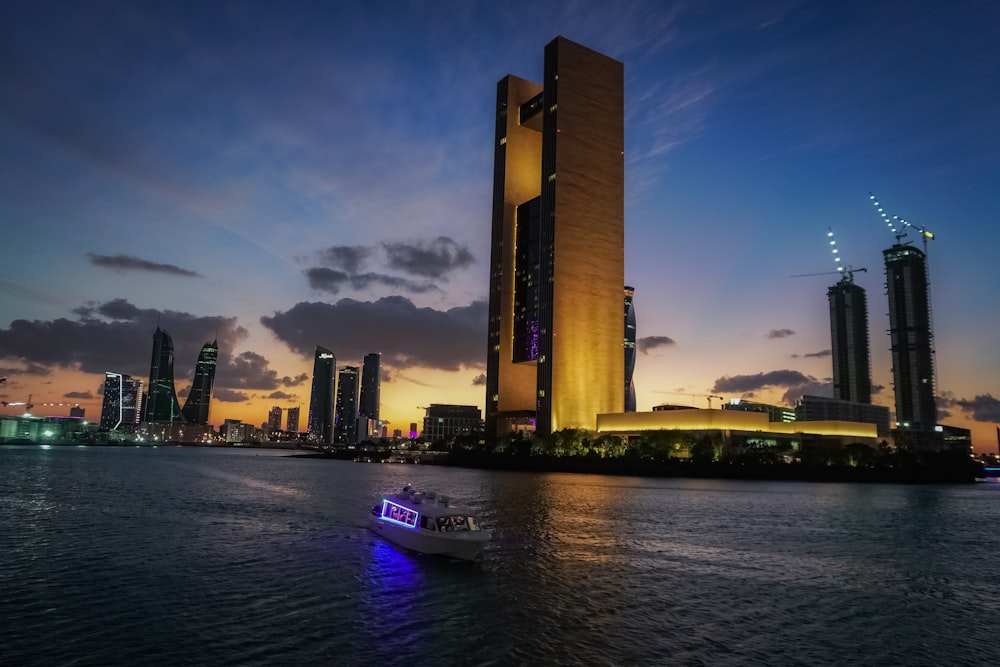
pixel 344 410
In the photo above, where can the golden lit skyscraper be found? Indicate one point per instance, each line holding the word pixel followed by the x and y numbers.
pixel 557 253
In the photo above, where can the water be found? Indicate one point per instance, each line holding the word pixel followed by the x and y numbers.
pixel 176 556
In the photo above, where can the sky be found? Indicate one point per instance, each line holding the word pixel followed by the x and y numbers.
pixel 278 176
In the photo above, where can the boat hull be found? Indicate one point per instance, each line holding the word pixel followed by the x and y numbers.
pixel 461 545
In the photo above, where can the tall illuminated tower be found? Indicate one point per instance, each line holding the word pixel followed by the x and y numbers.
pixel 199 401
pixel 557 261
pixel 371 381
pixel 321 396
pixel 911 337
pixel 161 400
pixel 121 409
pixel 852 375
pixel 346 428
pixel 629 349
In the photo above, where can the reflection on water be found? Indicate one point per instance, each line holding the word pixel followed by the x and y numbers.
pixel 173 555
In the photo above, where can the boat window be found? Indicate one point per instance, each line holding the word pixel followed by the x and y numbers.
pixel 399 514
pixel 473 523
pixel 444 524
pixel 460 523
pixel 427 522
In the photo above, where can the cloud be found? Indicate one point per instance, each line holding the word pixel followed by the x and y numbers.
pixel 984 408
pixel 743 383
pixel 281 395
pixel 819 355
pixel 780 333
pixel 83 395
pixel 448 340
pixel 648 343
pixel 229 396
pixel 250 370
pixel 130 263
pixel 330 280
pixel 814 387
pixel 29 369
pixel 434 260
pixel 348 258
pixel 479 380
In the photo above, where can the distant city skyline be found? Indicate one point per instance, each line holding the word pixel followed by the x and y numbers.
pixel 271 180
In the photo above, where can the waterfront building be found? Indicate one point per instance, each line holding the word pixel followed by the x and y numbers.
pixel 369 399
pixel 121 409
pixel 442 422
pixel 414 433
pixel 161 398
pixel 321 396
pixel 274 419
pixel 292 420
pixel 775 413
pixel 557 250
pixel 346 424
pixel 820 408
pixel 629 349
pixel 77 411
pixel 911 338
pixel 851 353
pixel 198 402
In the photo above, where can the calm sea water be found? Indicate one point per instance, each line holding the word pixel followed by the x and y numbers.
pixel 175 556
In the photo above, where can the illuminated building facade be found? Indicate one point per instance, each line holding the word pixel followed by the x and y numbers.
pixel 161 399
pixel 321 396
pixel 369 401
pixel 629 349
pixel 852 375
pixel 911 337
pixel 819 408
pixel 121 409
pixel 292 420
pixel 557 249
pixel 274 418
pixel 198 402
pixel 346 428
pixel 448 421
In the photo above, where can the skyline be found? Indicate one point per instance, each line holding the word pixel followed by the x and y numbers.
pixel 282 179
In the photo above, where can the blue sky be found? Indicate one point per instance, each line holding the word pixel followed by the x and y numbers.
pixel 320 174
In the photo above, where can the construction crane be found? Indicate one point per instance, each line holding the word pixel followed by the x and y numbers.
pixel 848 272
pixel 897 224
pixel 705 396
pixel 27 404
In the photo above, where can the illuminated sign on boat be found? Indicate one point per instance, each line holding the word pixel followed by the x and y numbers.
pixel 398 514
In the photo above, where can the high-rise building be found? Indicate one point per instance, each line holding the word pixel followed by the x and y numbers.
pixel 121 409
pixel 448 421
pixel 197 404
pixel 78 412
pixel 371 381
pixel 346 428
pixel 292 420
pixel 321 396
pixel 161 398
pixel 911 337
pixel 629 349
pixel 274 418
pixel 557 262
pixel 852 376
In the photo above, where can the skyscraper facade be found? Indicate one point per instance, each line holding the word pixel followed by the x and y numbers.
pixel 198 402
pixel 321 396
pixel 121 409
pixel 629 349
pixel 911 337
pixel 274 418
pixel 161 399
pixel 369 401
pixel 852 375
pixel 557 250
pixel 346 429
pixel 292 420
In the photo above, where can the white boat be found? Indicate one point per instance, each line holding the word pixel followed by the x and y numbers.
pixel 429 524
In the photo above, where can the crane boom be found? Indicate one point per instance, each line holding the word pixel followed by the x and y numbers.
pixel 897 224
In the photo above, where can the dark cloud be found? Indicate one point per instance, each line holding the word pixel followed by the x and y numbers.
pixel 348 258
pixel 984 408
pixel 878 388
pixel 330 280
pixel 648 343
pixel 780 333
pixel 229 396
pixel 739 384
pixel 434 260
pixel 249 370
pixel 130 263
pixel 814 387
pixel 29 368
pixel 479 380
pixel 405 334
pixel 295 381
pixel 819 355
pixel 281 395
pixel 82 395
